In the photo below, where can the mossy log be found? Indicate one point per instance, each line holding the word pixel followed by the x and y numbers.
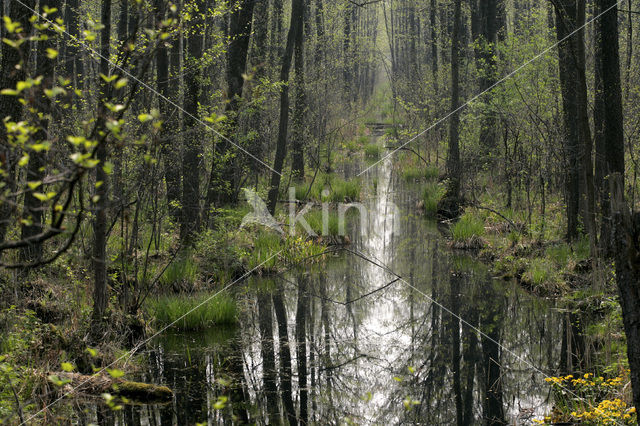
pixel 103 383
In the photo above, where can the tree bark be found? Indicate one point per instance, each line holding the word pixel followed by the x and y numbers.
pixel 224 164
pixel 626 237
pixel 281 146
pixel 169 145
pixel 298 125
pixel 190 218
pixel 450 205
pixel 10 106
pixel 611 103
pixel 100 295
pixel 33 208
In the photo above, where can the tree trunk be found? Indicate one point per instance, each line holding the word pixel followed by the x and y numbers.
pixel 569 76
pixel 100 296
pixel 611 104
pixel 626 233
pixel 45 67
pixel 10 106
pixel 297 8
pixel 450 205
pixel 223 169
pixel 298 122
pixel 171 166
pixel 190 219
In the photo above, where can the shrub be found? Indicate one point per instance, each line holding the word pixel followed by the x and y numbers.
pixel 217 310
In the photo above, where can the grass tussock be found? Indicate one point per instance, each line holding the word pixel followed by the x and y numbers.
pixel 338 190
pixel 200 311
pixel 266 246
pixel 468 231
pixel 372 151
pixel 315 220
pixel 418 173
pixel 432 195
pixel 181 273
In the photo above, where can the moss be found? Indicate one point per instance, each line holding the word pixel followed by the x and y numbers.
pixel 142 392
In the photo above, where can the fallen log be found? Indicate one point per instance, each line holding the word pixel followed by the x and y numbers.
pixel 81 384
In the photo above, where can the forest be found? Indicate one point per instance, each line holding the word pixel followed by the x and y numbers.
pixel 319 212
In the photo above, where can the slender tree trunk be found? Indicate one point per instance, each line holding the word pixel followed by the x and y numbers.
pixel 450 205
pixel 281 146
pixel 45 67
pixel 171 166
pixel 190 219
pixel 12 68
pixel 224 164
pixel 298 124
pixel 100 295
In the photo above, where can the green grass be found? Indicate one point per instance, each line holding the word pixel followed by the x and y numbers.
pixel 431 172
pixel 559 254
pixel 372 151
pixel 412 174
pixel 467 227
pixel 340 190
pixel 265 246
pixel 431 196
pixel 416 173
pixel 314 219
pixel 182 270
pixel 219 310
pixel 541 273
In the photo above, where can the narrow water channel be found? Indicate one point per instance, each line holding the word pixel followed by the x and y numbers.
pixel 447 344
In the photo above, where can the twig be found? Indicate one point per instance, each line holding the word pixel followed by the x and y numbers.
pixel 509 221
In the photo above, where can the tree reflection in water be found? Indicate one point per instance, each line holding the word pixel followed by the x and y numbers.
pixel 321 344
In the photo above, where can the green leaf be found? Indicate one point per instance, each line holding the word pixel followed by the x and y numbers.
pixel 121 83
pixel 52 53
pixel 115 373
pixel 40 196
pixel 34 185
pixel 221 403
pixel 67 366
pixel 145 117
pixel 108 79
pixel 24 160
pixel 108 167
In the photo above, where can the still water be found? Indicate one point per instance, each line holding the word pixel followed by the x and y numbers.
pixel 349 342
